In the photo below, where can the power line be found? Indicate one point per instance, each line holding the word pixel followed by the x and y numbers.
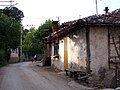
pixel 58 18
pixel 5 3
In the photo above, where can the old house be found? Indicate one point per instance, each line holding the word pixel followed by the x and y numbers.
pixel 88 44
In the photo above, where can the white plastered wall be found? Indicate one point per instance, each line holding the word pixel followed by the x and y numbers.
pixel 59 63
pixel 77 50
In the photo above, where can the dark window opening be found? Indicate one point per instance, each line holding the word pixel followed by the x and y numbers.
pixel 56 47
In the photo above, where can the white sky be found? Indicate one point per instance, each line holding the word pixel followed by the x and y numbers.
pixel 37 11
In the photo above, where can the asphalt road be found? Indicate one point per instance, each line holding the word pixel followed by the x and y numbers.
pixel 25 76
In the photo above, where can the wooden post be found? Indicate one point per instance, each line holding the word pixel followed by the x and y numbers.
pixel 109 47
pixel 119 44
pixel 116 76
pixel 88 50
pixel 116 48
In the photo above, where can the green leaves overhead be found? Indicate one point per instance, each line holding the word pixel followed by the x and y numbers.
pixel 9 31
pixel 14 13
pixel 33 41
pixel 10 27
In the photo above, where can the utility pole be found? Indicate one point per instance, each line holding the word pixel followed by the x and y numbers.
pixel 96 7
pixel 21 33
pixel 21 29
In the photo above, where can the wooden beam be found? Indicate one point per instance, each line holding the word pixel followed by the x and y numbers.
pixel 88 71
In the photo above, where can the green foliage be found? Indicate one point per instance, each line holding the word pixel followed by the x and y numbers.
pixel 9 32
pixel 33 42
pixel 2 58
pixel 10 26
pixel 44 30
pixel 14 13
pixel 5 23
pixel 27 42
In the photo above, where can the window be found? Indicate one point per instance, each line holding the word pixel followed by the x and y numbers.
pixel 56 47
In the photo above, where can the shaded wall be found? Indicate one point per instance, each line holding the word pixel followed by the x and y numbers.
pixel 114 32
pixel 98 48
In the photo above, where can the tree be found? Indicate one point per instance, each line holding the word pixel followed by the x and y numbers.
pixel 34 39
pixel 14 13
pixel 28 41
pixel 11 23
pixel 10 26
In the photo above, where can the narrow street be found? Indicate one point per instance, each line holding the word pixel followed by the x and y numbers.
pixel 27 76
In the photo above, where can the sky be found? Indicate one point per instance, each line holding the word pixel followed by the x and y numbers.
pixel 37 12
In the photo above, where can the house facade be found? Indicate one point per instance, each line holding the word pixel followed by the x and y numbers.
pixel 87 44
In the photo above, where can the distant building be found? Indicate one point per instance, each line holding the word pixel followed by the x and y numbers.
pixel 14 56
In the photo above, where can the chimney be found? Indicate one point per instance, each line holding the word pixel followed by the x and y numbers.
pixel 106 10
pixel 55 26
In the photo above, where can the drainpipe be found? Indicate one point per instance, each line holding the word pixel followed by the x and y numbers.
pixel 88 71
pixel 108 47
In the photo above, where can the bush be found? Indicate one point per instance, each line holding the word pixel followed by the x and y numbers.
pixel 3 60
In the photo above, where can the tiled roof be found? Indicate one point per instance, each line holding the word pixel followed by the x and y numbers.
pixel 113 17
